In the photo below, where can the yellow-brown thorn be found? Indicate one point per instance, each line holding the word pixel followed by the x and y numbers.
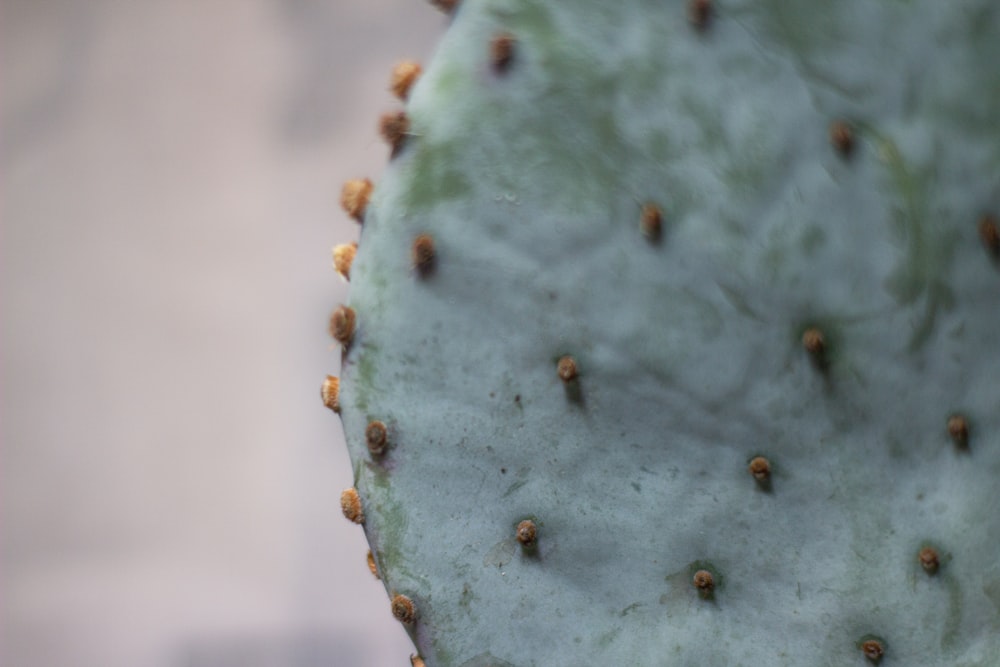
pixel 929 560
pixel 354 197
pixel 343 257
pixel 422 253
pixel 502 52
pixel 989 234
pixel 447 6
pixel 842 137
pixel 330 392
pixel 371 564
pixel 404 75
pixel 872 649
pixel 814 342
pixel 958 429
pixel 527 533
pixel 700 13
pixel 376 437
pixel 394 127
pixel 416 661
pixel 350 504
pixel 342 325
pixel 403 609
pixel 651 222
pixel 760 468
pixel 566 368
pixel 704 582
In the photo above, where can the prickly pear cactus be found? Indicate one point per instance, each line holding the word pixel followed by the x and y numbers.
pixel 672 336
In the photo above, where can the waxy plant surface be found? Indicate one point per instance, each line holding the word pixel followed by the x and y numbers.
pixel 673 336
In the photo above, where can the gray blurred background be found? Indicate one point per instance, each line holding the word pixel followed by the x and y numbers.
pixel 169 182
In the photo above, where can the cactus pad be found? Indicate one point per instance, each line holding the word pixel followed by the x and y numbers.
pixel 673 333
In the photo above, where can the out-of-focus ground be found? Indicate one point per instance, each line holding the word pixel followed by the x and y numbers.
pixel 169 176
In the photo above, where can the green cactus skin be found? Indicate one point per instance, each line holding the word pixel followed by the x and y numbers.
pixel 822 298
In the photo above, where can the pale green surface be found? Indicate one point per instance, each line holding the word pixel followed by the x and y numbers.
pixel 689 349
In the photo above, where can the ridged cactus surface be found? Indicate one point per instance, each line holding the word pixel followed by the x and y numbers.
pixel 673 336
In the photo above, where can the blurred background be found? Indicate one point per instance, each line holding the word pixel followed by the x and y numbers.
pixel 169 181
